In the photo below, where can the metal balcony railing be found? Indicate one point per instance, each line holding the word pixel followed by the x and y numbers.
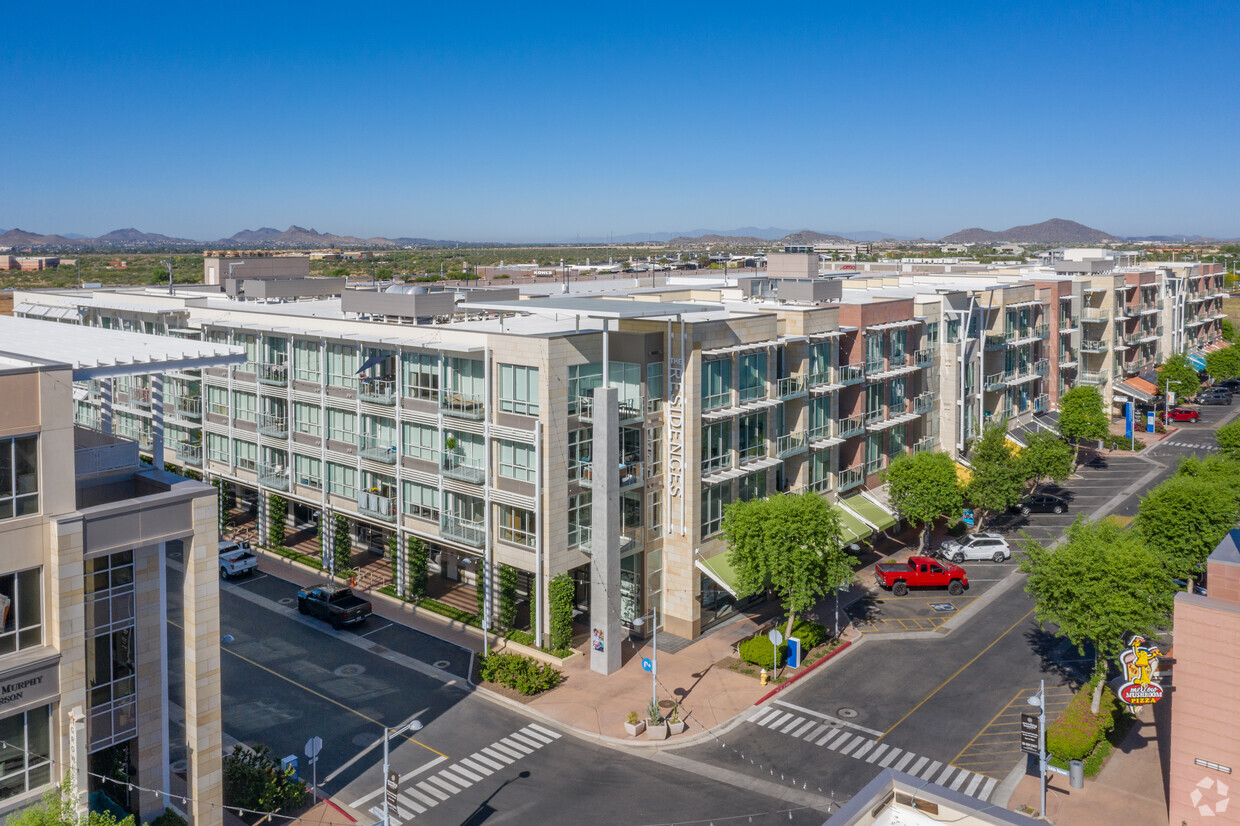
pixel 1095 314
pixel 996 342
pixel 791 444
pixel 377 448
pixel 466 531
pixel 1090 377
pixel 923 357
pixel 875 366
pixel 1088 346
pixel 274 426
pixel 376 507
pixel 924 403
pixel 273 476
pixel 461 405
pixel 873 466
pixel 189 454
pixel 873 416
pixel 792 387
pixel 273 374
pixel 187 407
pixel 140 396
pixel 630 474
pixel 1041 367
pixel 995 381
pixel 822 431
pixel 1042 403
pixel 376 391
pixel 851 426
pixel 850 374
pixel 463 468
pixel 824 376
pixel 923 445
pixel 851 478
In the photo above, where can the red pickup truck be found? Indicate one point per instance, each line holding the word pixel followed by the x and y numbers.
pixel 921 572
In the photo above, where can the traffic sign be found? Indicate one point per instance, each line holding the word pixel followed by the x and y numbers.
pixel 647 664
pixel 313 746
pixel 1030 734
pixel 775 636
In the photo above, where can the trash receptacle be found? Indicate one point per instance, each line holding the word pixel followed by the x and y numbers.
pixel 1076 774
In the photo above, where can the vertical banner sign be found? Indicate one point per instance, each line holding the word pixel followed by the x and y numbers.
pixel 1127 420
pixel 1029 733
pixel 675 435
pixel 390 788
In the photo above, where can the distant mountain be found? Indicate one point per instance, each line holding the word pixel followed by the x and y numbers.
pixel 808 236
pixel 22 238
pixel 130 237
pixel 73 236
pixel 1174 239
pixel 252 236
pixel 715 240
pixel 1054 231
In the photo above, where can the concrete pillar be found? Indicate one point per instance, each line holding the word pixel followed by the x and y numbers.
pixel 106 390
pixel 157 415
pixel 203 710
pixel 605 534
pixel 262 518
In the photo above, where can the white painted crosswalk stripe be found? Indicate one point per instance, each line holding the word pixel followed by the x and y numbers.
pixel 525 740
pixel 856 741
pixel 929 773
pixel 844 737
pixel 509 747
pixel 777 721
pixel 865 747
pixel 959 781
pixel 987 789
pixel 458 774
pixel 427 787
pixel 813 735
pixel 947 772
pixel 423 797
pixel 809 724
pixel 828 736
pixel 409 803
pixel 536 735
pixel 765 714
pixel 876 754
pixel 917 767
pixel 439 780
pixel 473 765
pixel 497 755
pixel 488 761
pixel 793 723
pixel 973 784
pixel 552 733
pixel 891 755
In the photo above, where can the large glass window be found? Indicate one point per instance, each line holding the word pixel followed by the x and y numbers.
pixel 752 486
pixel 245 406
pixel 516 525
pixel 874 353
pixel 518 389
pixel 579 519
pixel 110 646
pixel 309 471
pixel 654 380
pixel 516 460
pixel 307 418
pixel 422 501
pixel 654 451
pixel 307 361
pixel 19 476
pixel 421 376
pixel 716 446
pixel 21 611
pixel 752 436
pixel 245 455
pixel 716 383
pixel 342 480
pixel 714 500
pixel 25 751
pixel 752 376
pixel 422 441
pixel 582 379
pixel 342 365
pixel 465 379
pixel 217 400
pixel 820 360
pixel 217 448
pixel 341 425
pixel 654 514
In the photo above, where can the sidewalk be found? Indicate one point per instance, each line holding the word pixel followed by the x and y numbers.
pixel 1130 789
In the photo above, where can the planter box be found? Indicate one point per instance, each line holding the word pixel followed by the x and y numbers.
pixel 634 729
pixel 657 731
pixel 677 728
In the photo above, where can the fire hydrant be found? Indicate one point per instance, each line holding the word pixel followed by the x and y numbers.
pixel 763 677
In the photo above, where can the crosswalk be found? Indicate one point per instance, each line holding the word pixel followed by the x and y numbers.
pixel 862 746
pixel 422 797
pixel 1193 445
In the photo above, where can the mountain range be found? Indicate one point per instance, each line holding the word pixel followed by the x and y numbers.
pixel 1054 231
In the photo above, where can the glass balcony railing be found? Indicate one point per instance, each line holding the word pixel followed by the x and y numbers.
pixel 875 416
pixel 851 426
pixel 995 381
pixel 924 445
pixel 851 478
pixel 923 358
pixel 1088 346
pixel 825 376
pixel 875 366
pixel 792 387
pixel 470 532
pixel 850 374
pixel 627 409
pixel 1091 377
pixel 140 396
pixel 873 466
pixel 822 431
pixel 1042 403
pixel 377 448
pixel 376 507
pixel 791 444
pixel 924 403
pixel 273 476
pixel 188 454
pixel 187 407
pixel 275 375
pixel 1095 314
pixel 376 391
pixel 463 468
pixel 1041 367
pixel 996 342
pixel 274 426
pixel 461 405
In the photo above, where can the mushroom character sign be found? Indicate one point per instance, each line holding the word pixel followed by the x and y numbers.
pixel 1139 664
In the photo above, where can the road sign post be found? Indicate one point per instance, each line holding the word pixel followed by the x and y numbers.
pixel 776 638
pixel 313 746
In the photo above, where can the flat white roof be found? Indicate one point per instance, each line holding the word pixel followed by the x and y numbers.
pixel 93 352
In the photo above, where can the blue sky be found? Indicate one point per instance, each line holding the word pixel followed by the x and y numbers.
pixel 529 122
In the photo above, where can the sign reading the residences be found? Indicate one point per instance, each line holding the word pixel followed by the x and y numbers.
pixel 675 432
pixel 30 687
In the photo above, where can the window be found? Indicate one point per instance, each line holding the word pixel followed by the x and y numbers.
pixel 465 379
pixel 518 389
pixel 582 379
pixel 820 360
pixel 714 499
pixel 752 436
pixel 342 480
pixel 953 330
pixel 307 361
pixel 896 394
pixel 516 525
pixel 421 376
pixel 579 519
pixel 752 376
pixel 217 400
pixel 654 380
pixel 309 471
pixel 716 446
pixel 21 611
pixel 422 441
pixel 895 442
pixel 716 383
pixel 25 756
pixel 19 476
pixel 820 463
pixel 307 418
pixel 874 353
pixel 217 449
pixel 752 486
pixel 820 417
pixel 245 406
pixel 245 455
pixel 342 365
pixel 579 448
pixel 899 345
pixel 516 460
pixel 341 425
pixel 654 514
pixel 932 335
pixel 422 501
pixel 250 342
pixel 110 666
pixel 654 451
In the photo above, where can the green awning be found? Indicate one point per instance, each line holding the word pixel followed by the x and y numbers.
pixel 720 570
pixel 854 529
pixel 870 511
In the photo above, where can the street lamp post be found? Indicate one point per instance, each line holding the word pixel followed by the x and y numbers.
pixel 1039 700
pixel 653 616
pixel 388 733
pixel 1167 398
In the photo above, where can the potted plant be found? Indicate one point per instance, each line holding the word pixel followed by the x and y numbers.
pixel 634 725
pixel 675 725
pixel 656 727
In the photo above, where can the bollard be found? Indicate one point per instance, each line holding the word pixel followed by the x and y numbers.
pixel 762 677
pixel 1076 774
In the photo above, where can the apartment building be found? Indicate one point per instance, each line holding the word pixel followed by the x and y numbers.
pixel 470 419
pixel 85 621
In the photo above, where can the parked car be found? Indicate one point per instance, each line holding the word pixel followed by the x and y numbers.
pixel 334 603
pixel 1214 395
pixel 1183 414
pixel 1041 502
pixel 1230 384
pixel 236 559
pixel 920 572
pixel 976 546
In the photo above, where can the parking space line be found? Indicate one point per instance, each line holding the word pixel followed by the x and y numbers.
pixel 373 630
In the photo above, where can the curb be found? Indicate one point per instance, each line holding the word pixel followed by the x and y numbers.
pixel 333 804
pixel 841 647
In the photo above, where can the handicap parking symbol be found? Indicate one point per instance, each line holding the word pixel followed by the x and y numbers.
pixel 942 606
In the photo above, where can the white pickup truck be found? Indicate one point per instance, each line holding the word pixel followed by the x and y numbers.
pixel 236 559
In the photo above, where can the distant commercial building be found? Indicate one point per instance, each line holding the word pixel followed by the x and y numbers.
pixel 28 263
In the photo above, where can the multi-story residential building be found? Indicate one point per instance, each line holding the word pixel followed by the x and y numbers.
pixel 87 532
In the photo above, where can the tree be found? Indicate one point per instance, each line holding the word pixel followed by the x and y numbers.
pixel 792 544
pixel 997 483
pixel 1102 583
pixel 59 808
pixel 1228 329
pixel 1224 363
pixel 1045 458
pixel 1228 438
pixel 1184 519
pixel 1177 374
pixel 1081 416
pixel 924 487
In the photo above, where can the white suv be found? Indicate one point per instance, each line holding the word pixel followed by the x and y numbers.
pixel 976 546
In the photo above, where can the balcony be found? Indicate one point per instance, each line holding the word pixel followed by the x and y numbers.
pixel 924 445
pixel 187 407
pixel 1091 377
pixel 995 381
pixel 273 476
pixel 924 403
pixel 875 366
pixel 848 374
pixel 1095 314
pixel 1041 367
pixel 791 444
pixel 274 426
pixel 996 342
pixel 376 391
pixel 923 358
pixel 466 531
pixel 461 405
pixel 874 466
pixel 377 448
pixel 188 454
pixel 822 378
pixel 1066 326
pixel 792 387
pixel 376 506
pixel 275 375
pixel 1042 403
pixel 629 412
pixel 851 426
pixel 140 397
pixel 1088 346
pixel 851 477
pixel 463 468
pixel 874 416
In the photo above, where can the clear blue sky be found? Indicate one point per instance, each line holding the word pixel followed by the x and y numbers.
pixel 526 121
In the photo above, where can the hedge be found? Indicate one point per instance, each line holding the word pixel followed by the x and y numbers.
pixel 758 650
pixel 560 599
pixel 1076 732
pixel 523 674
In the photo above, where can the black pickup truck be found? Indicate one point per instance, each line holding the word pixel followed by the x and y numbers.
pixel 335 603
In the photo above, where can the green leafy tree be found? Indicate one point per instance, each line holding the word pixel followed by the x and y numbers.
pixel 1100 584
pixel 1082 417
pixel 1228 438
pixel 790 543
pixel 1184 519
pixel 997 483
pixel 924 487
pixel 1228 330
pixel 58 807
pixel 1179 375
pixel 1045 458
pixel 1224 363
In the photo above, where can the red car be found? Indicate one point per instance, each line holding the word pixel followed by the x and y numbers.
pixel 921 571
pixel 1183 414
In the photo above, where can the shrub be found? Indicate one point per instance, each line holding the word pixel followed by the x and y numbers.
pixel 419 568
pixel 277 515
pixel 524 674
pixel 169 818
pixel 560 598
pixel 342 544
pixel 811 634
pixel 253 780
pixel 449 611
pixel 507 596
pixel 632 719
pixel 758 651
pixel 1076 732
